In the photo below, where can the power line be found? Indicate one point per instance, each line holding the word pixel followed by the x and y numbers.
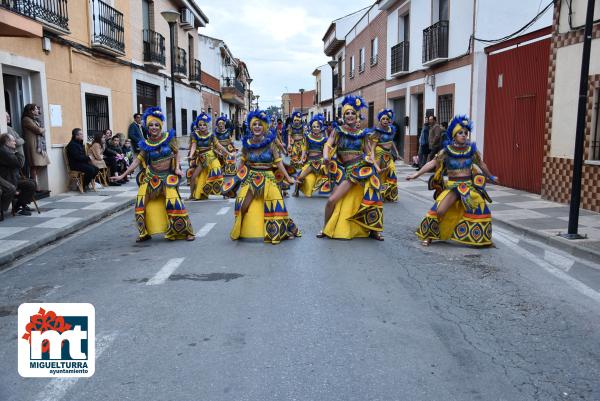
pixel 521 30
pixel 352 13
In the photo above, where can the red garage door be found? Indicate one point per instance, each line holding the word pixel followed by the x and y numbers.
pixel 516 90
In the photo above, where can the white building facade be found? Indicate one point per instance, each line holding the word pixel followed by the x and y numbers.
pixel 436 63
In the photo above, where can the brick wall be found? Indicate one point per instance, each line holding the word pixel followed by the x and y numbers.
pixel 372 73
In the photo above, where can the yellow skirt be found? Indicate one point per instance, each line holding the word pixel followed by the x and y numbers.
pixel 315 181
pixel 360 211
pixel 206 177
pixel 267 217
pixel 468 221
pixel 164 213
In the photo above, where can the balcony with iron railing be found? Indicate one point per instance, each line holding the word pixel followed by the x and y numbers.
pixel 435 43
pixel 361 68
pixel 374 59
pixel 154 49
pixel 180 67
pixel 52 14
pixel 351 73
pixel 196 73
pixel 400 58
pixel 233 91
pixel 109 32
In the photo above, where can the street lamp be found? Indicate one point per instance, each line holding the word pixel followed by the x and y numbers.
pixel 171 16
pixel 301 103
pixel 257 96
pixel 332 64
pixel 249 80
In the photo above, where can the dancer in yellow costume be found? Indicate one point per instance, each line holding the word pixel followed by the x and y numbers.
pixel 460 212
pixel 385 133
pixel 225 137
pixel 205 174
pixel 297 141
pixel 260 211
pixel 158 206
pixel 314 175
pixel 355 208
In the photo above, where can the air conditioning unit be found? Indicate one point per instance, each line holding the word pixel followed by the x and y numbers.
pixel 186 18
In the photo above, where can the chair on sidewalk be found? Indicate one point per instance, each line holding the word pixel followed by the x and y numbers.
pixel 74 175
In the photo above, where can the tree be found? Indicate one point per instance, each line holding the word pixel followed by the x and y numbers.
pixel 273 110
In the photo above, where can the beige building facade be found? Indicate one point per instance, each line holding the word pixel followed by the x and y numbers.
pixel 91 64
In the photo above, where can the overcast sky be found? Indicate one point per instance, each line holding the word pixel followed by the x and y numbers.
pixel 280 40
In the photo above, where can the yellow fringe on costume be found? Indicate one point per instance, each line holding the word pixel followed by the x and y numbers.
pixel 267 217
pixel 389 184
pixel 209 179
pixel 468 221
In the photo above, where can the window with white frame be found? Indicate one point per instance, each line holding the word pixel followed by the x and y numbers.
pixel 361 59
pixel 374 50
pixel 403 28
pixel 351 66
pixel 440 10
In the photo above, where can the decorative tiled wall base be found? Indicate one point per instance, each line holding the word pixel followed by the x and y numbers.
pixel 556 182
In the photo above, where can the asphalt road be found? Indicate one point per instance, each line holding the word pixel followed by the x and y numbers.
pixel 314 319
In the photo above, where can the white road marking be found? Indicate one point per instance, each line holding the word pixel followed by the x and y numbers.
pixel 205 229
pixel 577 285
pixel 223 210
pixel 164 273
pixel 562 262
pixel 58 388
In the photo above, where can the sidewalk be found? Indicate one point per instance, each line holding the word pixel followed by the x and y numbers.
pixel 62 215
pixel 524 212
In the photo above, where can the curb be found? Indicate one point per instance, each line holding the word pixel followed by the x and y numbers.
pixel 8 257
pixel 552 240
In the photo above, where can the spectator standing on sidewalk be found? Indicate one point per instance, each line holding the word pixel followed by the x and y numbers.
pixel 136 132
pixel 35 141
pixel 424 144
pixel 11 163
pixel 435 137
pixel 78 160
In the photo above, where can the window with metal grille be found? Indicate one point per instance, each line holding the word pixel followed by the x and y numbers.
pixel 146 95
pixel 96 114
pixel 445 108
pixel 184 122
pixel 595 145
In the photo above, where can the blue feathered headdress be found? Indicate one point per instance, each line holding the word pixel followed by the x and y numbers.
pixel 155 113
pixel 356 102
pixel 201 117
pixel 260 114
pixel 318 118
pixel 458 122
pixel 296 114
pixel 222 118
pixel 385 112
